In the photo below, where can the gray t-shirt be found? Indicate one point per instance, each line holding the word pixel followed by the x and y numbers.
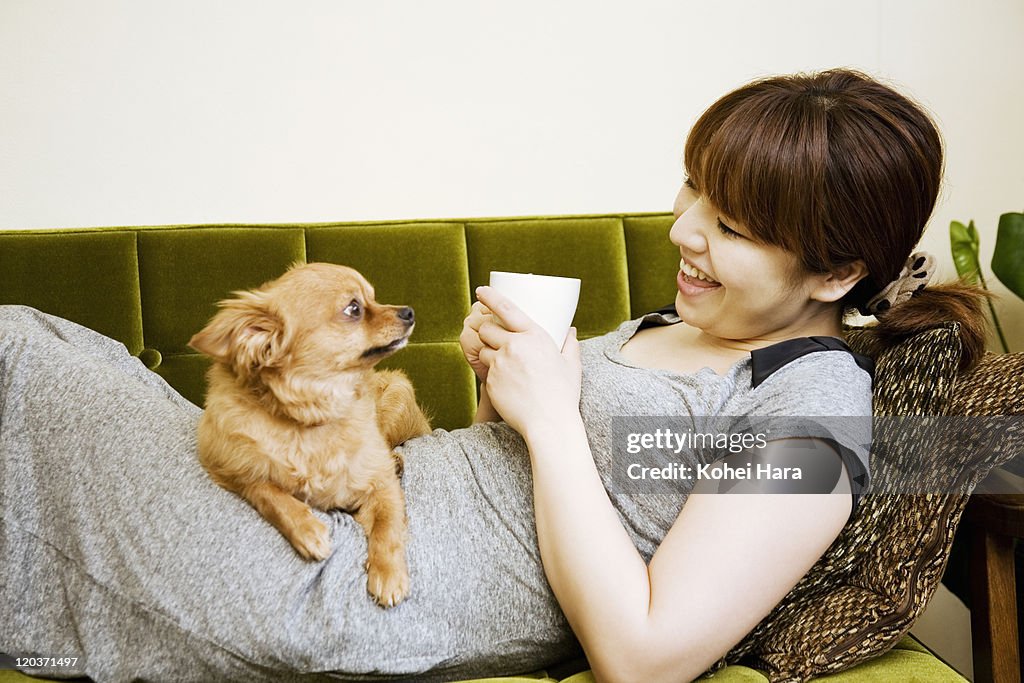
pixel 619 397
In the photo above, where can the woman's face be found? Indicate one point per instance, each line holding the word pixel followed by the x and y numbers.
pixel 757 291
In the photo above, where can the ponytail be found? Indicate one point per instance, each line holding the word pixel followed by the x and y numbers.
pixel 933 306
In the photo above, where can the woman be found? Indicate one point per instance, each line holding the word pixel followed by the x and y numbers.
pixel 805 197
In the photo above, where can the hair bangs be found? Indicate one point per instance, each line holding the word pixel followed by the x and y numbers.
pixel 760 157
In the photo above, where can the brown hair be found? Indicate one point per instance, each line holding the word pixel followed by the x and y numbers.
pixel 835 167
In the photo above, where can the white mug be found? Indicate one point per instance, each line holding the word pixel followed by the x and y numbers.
pixel 549 301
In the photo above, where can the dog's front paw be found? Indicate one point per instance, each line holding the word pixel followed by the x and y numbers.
pixel 388 583
pixel 311 539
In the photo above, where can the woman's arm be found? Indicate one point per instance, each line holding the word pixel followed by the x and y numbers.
pixel 724 564
pixel 485 412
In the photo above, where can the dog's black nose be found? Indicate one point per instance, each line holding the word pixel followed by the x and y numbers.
pixel 407 314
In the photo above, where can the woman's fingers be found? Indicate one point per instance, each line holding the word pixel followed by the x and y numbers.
pixel 478 313
pixel 494 335
pixel 470 340
pixel 502 307
pixel 487 355
pixel 497 329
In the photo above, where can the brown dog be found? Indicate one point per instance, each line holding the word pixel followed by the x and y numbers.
pixel 296 415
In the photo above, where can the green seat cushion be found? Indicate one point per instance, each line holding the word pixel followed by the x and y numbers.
pixel 591 249
pixel 444 383
pixel 653 263
pixel 183 273
pixel 185 372
pixel 445 386
pixel 422 265
pixel 89 277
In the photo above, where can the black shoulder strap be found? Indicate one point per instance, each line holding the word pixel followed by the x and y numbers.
pixel 769 359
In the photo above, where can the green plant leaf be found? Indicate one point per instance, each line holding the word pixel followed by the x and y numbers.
pixel 1008 257
pixel 963 242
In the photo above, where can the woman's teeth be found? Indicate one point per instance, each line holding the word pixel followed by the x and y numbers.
pixel 693 272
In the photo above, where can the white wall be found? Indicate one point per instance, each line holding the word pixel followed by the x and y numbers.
pixel 135 112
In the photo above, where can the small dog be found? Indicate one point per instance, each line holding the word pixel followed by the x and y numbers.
pixel 297 416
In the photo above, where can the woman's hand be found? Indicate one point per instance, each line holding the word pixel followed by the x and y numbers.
pixel 470 341
pixel 530 384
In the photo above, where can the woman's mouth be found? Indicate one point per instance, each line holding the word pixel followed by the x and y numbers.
pixel 692 280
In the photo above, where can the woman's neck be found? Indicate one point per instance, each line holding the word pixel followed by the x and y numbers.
pixel 820 326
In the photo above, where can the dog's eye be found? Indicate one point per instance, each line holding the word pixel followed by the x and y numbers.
pixel 353 310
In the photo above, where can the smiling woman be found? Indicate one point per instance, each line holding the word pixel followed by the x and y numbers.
pixel 805 197
pixel 522 545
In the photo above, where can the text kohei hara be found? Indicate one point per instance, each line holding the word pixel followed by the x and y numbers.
pixel 716 471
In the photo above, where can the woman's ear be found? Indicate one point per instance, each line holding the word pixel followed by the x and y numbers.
pixel 831 287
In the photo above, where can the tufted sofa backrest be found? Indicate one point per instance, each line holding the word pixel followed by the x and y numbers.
pixel 152 288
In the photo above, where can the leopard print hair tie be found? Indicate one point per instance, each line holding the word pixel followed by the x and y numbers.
pixel 916 273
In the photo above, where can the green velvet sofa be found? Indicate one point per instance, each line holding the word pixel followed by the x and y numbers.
pixel 153 287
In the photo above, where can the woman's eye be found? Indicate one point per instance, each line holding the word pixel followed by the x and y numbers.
pixel 353 310
pixel 726 230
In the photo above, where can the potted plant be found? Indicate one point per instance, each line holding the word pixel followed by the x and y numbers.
pixel 1007 259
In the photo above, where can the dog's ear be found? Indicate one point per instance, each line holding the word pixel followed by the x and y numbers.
pixel 245 334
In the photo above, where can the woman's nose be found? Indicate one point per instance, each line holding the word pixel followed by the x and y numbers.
pixel 686 233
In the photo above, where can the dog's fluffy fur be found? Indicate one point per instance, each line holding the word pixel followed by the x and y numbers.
pixel 296 416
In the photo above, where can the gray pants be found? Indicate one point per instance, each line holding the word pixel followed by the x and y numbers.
pixel 116 548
